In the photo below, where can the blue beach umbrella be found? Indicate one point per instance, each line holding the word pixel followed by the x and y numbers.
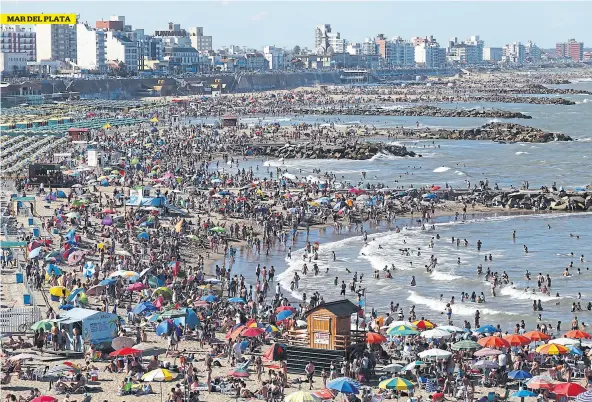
pixel 519 375
pixel 66 307
pixel 575 351
pixel 345 385
pixel 209 298
pixel 54 269
pixel 73 294
pixel 523 393
pixel 165 327
pixel 282 315
pixel 236 300
pixel 35 252
pixel 144 307
pixel 490 329
pixel 107 282
pixel 143 236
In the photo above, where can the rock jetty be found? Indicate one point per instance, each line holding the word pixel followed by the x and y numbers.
pixel 541 89
pixel 416 111
pixel 356 151
pixel 499 132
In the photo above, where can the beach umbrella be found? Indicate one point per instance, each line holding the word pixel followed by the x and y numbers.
pixel 143 236
pixel 95 290
pixel 393 368
pixel 165 327
pixel 106 126
pixel 218 229
pixel 584 396
pixel 523 393
pixel 575 351
pixel 434 353
pixel 284 308
pixel 159 375
pixel 517 340
pixel 402 330
pixel 123 273
pixel 209 298
pixel 75 257
pixel 540 382
pixel 485 364
pixel 35 252
pixel 413 365
pixel 519 375
pixel 466 345
pixel 301 396
pixel 73 215
pixel 155 282
pixel 537 336
pixel 252 332
pixel 107 282
pixel 436 333
pixel 276 352
pixel 122 342
pixel 564 341
pixel 271 328
pixel 238 372
pixel 66 307
pixel 493 342
pixel 282 315
pixel 487 352
pixel 172 314
pixel 569 389
pixel 126 351
pixel 345 385
pixel 136 287
pixel 236 300
pixel 375 338
pixel 397 383
pixel 451 328
pixel 489 329
pixel 44 398
pixel 552 349
pixel 577 334
pixel 424 324
pixel 163 291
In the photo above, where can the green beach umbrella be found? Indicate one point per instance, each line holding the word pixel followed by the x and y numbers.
pixel 218 229
pixel 402 330
pixel 466 345
pixel 45 324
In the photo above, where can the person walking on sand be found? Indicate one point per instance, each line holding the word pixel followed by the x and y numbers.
pixel 309 370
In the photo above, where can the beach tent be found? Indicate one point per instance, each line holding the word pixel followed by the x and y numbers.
pixel 96 327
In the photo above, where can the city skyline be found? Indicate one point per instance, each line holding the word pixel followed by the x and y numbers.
pixel 285 24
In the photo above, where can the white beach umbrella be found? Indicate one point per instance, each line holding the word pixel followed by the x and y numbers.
pixel 434 354
pixel 451 328
pixel 393 368
pixel 565 341
pixel 436 333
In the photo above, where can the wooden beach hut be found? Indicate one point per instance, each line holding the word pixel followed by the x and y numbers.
pixel 329 325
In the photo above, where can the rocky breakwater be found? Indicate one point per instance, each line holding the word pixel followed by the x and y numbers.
pixel 356 151
pixel 499 132
pixel 416 111
pixel 541 89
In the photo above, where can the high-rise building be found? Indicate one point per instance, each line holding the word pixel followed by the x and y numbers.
pixel 514 53
pixel 56 42
pixel 275 56
pixel 327 42
pixel 121 49
pixel 533 53
pixel 91 48
pixel 198 40
pixel 492 54
pixel 467 52
pixel 369 47
pixel 428 52
pixel 571 49
pixel 17 39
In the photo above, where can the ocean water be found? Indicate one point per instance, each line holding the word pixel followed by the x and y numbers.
pixel 455 163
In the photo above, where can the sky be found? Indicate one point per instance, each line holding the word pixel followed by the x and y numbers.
pixel 290 23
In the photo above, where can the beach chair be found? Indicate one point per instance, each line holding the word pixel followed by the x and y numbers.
pixel 491 396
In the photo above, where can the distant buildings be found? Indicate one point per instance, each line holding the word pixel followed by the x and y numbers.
pixel 328 42
pixel 275 56
pixel 13 62
pixel 570 49
pixel 492 54
pixel 533 53
pixel 56 42
pixel 91 48
pixel 428 52
pixel 467 52
pixel 514 53
pixel 17 39
pixel 396 52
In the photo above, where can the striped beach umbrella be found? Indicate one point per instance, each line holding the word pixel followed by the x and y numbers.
pixel 402 330
pixel 584 397
pixel 493 342
pixel 301 396
pixel 424 324
pixel 397 383
pixel 517 340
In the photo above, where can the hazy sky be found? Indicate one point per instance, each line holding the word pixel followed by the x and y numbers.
pixel 287 23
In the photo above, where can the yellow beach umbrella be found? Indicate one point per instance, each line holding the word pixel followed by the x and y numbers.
pixel 154 120
pixel 552 349
pixel 397 383
pixel 107 125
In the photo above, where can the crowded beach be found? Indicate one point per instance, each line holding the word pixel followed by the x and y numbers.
pixel 124 237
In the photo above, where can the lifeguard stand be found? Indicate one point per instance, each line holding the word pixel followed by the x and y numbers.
pixel 329 325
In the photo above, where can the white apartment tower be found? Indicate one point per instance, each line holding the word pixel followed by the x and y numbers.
pixel 56 42
pixel 17 39
pixel 91 52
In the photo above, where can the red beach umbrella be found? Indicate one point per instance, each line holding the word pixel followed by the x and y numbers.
pixel 577 334
pixel 493 342
pixel 568 389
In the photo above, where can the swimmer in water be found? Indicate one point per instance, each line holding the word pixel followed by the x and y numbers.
pixel 525 249
pixel 413 281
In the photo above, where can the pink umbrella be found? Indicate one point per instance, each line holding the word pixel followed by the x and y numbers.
pixel 95 290
pixel 159 302
pixel 487 352
pixel 75 257
pixel 136 287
